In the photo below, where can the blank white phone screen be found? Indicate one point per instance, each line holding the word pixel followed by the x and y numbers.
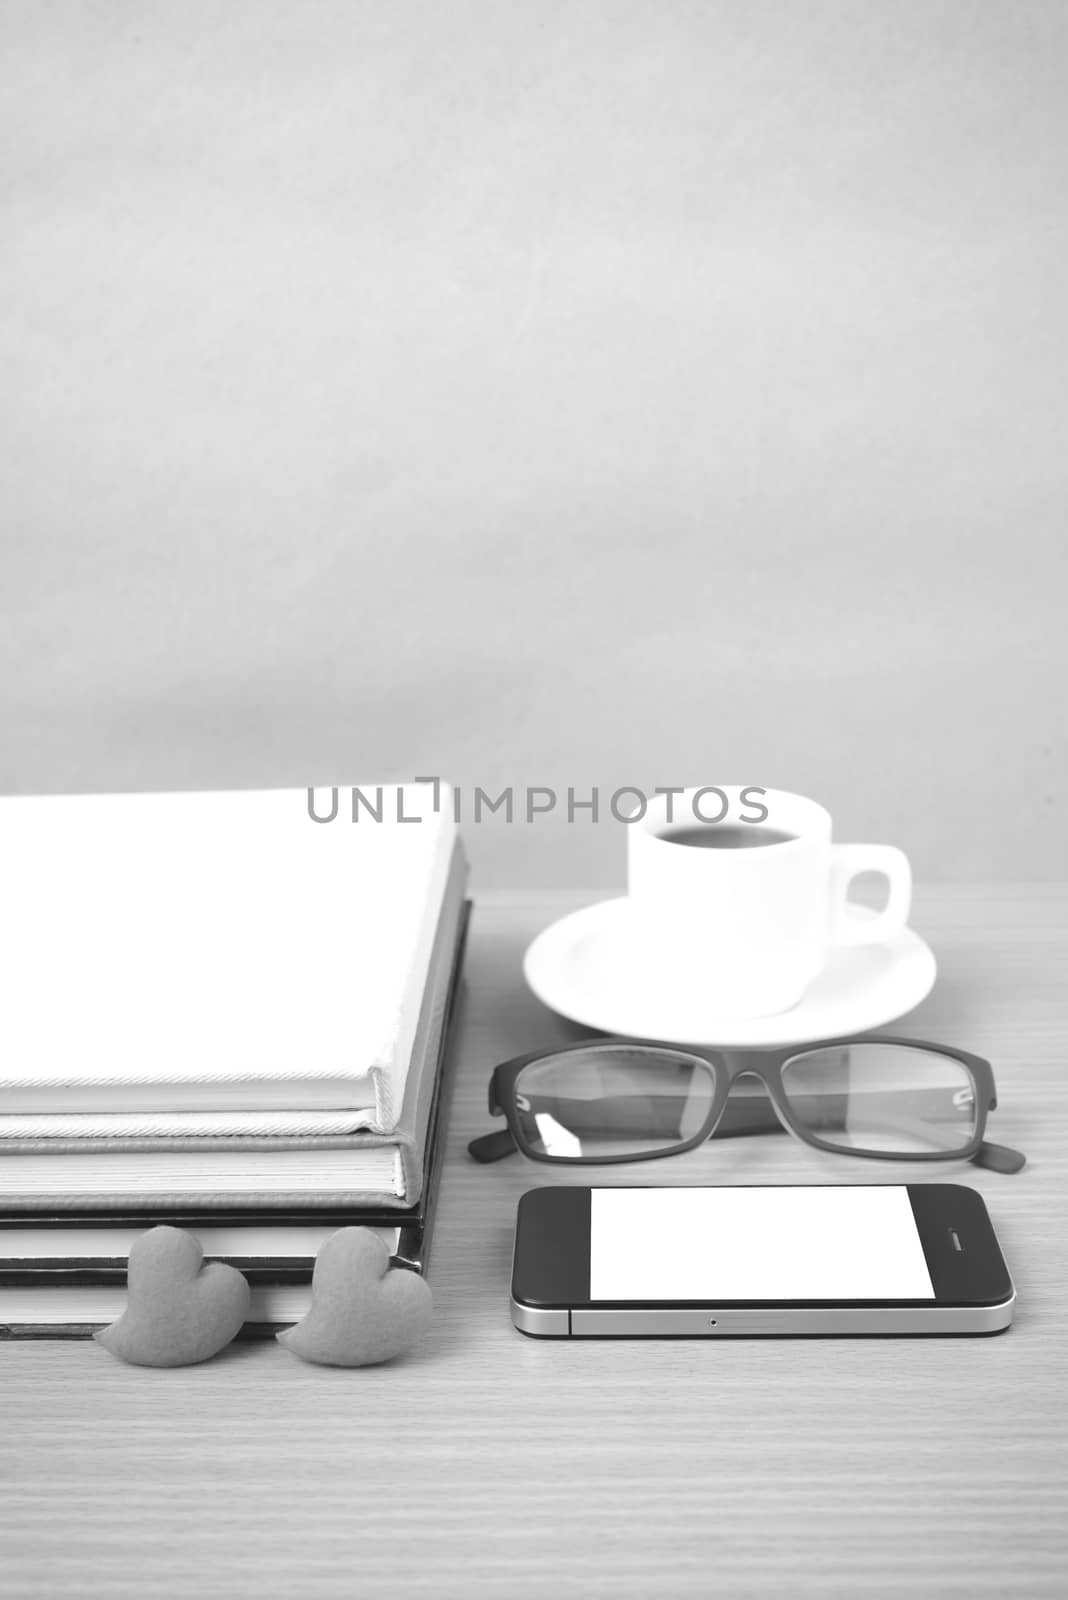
pixel 756 1244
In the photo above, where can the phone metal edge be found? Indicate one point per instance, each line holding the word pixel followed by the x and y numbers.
pixel 797 1321
pixel 540 1321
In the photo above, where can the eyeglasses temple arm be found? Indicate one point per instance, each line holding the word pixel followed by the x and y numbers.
pixel 492 1146
pixel 998 1157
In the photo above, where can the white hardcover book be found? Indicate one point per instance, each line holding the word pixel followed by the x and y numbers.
pixel 187 958
pixel 108 1248
pixel 225 1168
pixel 71 1307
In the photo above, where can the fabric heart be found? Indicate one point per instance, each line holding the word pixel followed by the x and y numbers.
pixel 178 1310
pixel 361 1311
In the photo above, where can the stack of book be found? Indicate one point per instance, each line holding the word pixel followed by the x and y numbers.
pixel 228 1012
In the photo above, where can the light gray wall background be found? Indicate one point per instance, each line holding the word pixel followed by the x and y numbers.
pixel 542 393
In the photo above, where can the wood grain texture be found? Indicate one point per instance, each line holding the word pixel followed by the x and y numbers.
pixel 489 1464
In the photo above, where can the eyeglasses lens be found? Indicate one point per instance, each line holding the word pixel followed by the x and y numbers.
pixel 883 1097
pixel 613 1101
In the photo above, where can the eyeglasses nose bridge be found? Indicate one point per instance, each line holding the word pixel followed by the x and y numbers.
pixel 748 1072
pixel 771 1094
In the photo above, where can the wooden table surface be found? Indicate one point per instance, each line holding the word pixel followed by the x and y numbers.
pixel 489 1464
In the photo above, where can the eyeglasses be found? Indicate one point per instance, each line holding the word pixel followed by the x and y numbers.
pixel 614 1100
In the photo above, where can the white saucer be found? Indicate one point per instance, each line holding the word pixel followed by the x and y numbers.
pixel 583 967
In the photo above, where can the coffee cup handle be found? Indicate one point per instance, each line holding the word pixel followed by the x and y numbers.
pixel 847 861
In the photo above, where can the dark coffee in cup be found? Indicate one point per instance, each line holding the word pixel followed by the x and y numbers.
pixel 726 835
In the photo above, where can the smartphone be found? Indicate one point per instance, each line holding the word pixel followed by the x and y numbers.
pixel 918 1258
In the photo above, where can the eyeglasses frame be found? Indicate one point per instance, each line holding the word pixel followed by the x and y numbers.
pixel 767 1066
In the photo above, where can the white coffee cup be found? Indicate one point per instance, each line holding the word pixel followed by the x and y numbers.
pixel 750 928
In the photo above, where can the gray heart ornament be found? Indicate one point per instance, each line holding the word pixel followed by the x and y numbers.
pixel 178 1311
pixel 362 1311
